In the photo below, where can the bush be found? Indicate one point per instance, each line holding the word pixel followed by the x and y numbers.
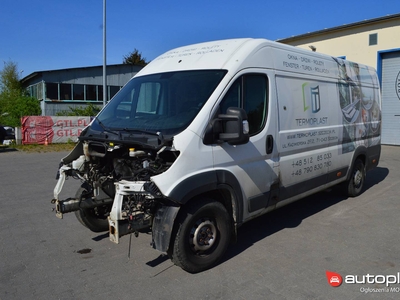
pixel 88 110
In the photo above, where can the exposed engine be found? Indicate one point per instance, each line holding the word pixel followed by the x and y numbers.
pixel 119 174
pixel 120 162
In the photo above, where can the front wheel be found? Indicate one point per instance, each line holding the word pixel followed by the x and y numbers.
pixel 357 178
pixel 203 236
pixel 95 218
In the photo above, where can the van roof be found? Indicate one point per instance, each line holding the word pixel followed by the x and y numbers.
pixel 208 55
pixel 236 54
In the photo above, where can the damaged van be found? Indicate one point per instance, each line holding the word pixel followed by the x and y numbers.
pixel 209 136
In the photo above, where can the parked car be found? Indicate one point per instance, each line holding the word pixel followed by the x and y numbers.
pixel 7 133
pixel 10 133
pixel 3 134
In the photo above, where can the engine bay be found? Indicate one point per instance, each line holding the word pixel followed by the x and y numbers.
pixel 116 182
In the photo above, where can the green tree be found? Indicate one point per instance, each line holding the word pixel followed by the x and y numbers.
pixel 9 79
pixel 135 58
pixel 14 100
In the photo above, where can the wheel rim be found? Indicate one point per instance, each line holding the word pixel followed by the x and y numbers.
pixel 358 177
pixel 203 236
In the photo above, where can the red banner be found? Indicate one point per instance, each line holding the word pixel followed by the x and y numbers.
pixel 42 129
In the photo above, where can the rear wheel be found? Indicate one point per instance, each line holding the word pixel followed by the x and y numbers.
pixel 202 237
pixel 356 181
pixel 95 218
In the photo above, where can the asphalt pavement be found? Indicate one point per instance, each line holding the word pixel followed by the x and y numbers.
pixel 282 255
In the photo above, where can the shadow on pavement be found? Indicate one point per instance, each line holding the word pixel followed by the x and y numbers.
pixel 7 149
pixel 159 260
pixel 101 237
pixel 293 214
pixel 289 216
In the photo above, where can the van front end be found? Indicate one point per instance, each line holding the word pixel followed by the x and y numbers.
pixel 116 193
pixel 129 142
pixel 134 161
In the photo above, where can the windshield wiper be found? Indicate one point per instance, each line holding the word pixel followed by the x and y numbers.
pixel 105 129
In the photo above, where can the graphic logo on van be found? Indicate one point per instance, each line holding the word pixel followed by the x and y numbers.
pixel 398 85
pixel 311 97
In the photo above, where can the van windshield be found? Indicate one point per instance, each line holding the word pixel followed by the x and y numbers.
pixel 165 102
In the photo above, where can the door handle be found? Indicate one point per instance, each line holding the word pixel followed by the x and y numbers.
pixel 270 144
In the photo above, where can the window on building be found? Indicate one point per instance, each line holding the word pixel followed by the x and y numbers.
pixel 91 92
pixel 52 91
pixel 100 92
pixel 39 94
pixel 36 90
pixel 76 92
pixel 373 39
pixel 65 91
pixel 113 90
pixel 79 92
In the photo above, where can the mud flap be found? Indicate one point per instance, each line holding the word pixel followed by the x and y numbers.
pixel 163 225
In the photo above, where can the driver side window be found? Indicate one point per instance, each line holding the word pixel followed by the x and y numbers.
pixel 249 92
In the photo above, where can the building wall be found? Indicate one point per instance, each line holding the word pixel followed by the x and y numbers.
pixel 116 75
pixel 353 43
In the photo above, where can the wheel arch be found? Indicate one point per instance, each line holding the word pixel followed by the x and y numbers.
pixel 219 185
pixel 359 153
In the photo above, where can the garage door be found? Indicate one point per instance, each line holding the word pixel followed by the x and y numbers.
pixel 391 98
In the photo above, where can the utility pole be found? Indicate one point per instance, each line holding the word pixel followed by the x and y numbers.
pixel 104 56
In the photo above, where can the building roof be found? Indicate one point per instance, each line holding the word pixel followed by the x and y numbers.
pixel 341 27
pixel 40 73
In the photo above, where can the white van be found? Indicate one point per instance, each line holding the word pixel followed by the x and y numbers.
pixel 209 136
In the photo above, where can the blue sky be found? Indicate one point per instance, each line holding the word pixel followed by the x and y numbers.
pixel 55 34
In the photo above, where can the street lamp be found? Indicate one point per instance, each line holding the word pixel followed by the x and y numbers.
pixel 104 56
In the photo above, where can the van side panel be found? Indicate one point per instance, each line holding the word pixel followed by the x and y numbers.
pixel 309 130
pixel 325 122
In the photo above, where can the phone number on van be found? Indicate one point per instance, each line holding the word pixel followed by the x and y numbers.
pixel 311 164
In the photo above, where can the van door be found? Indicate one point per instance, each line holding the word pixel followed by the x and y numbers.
pixel 309 131
pixel 254 164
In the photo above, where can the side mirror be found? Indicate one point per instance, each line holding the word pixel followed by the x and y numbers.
pixel 231 127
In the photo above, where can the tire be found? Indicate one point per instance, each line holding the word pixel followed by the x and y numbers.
pixel 356 181
pixel 202 237
pixel 95 219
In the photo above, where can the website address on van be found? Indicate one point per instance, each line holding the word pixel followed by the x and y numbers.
pixel 309 138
